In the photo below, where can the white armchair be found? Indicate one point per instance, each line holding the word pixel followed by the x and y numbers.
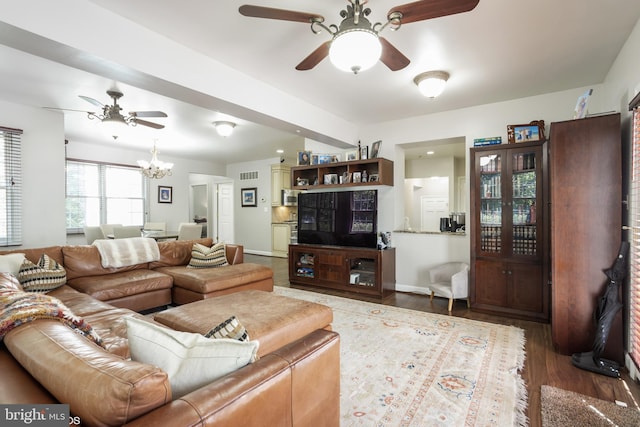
pixel 450 280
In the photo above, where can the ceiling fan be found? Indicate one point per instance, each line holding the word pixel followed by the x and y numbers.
pixel 112 113
pixel 355 25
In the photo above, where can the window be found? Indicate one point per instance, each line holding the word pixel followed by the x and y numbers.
pixel 10 187
pixel 100 193
pixel 634 300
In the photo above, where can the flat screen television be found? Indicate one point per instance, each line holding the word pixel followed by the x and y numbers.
pixel 340 218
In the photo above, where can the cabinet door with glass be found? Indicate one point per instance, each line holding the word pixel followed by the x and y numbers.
pixel 507 194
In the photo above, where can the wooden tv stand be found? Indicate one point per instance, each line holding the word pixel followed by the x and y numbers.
pixel 371 272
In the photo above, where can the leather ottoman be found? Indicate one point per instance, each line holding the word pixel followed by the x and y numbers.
pixel 273 320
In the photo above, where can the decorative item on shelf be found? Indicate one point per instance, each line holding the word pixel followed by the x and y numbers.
pixel 581 105
pixel 373 177
pixel 314 159
pixel 249 197
pixel 335 158
pixel 479 142
pixel 302 181
pixel 165 194
pixel 155 169
pixel 330 178
pixel 351 155
pixel 324 158
pixel 534 131
pixel 364 176
pixel 304 158
pixel 224 128
pixel 345 178
pixel 384 240
pixel 357 177
pixel 364 152
pixel 375 149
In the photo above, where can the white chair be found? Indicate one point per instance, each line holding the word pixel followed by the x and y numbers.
pixel 450 280
pixel 92 233
pixel 107 229
pixel 127 231
pixel 189 231
pixel 155 226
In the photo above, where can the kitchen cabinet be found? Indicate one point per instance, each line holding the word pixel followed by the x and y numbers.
pixel 586 219
pixel 509 233
pixel 280 180
pixel 370 272
pixel 280 240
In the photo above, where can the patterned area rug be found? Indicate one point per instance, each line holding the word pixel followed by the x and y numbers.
pixel 403 367
pixel 562 408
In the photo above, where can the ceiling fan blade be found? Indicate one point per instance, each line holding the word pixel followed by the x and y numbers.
pixel 392 57
pixel 148 114
pixel 429 9
pixel 148 124
pixel 314 57
pixel 281 14
pixel 67 109
pixel 92 101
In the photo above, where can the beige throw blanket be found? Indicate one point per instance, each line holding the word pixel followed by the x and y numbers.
pixel 125 252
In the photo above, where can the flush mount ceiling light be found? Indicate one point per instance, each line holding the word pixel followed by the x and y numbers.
pixel 432 83
pixel 155 169
pixel 224 128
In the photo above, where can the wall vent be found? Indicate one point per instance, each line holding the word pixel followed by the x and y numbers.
pixel 244 176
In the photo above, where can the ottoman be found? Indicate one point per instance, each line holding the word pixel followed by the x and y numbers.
pixel 273 320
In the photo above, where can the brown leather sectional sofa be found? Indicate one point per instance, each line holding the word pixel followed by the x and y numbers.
pixel 44 361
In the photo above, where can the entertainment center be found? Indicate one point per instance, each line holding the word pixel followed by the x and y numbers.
pixel 337 229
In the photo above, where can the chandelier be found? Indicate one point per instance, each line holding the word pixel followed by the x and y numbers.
pixel 155 169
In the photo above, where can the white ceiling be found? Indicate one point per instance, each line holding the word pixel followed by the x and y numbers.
pixel 503 49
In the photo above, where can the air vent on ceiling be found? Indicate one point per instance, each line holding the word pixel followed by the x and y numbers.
pixel 244 176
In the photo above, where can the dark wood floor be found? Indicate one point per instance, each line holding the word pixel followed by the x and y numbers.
pixel 543 366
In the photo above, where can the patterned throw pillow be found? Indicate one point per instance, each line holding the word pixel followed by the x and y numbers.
pixel 204 257
pixel 45 276
pixel 230 328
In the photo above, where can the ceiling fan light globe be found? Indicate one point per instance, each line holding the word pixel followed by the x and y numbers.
pixel 355 50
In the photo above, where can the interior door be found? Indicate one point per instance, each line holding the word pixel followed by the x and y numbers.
pixel 224 229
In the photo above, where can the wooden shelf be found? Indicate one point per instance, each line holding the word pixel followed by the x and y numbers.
pixel 379 169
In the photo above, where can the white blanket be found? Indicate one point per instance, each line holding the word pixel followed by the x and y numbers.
pixel 125 252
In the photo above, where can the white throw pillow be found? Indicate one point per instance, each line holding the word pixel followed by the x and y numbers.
pixel 10 263
pixel 189 359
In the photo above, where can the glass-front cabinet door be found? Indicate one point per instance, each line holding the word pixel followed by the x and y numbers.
pixel 507 195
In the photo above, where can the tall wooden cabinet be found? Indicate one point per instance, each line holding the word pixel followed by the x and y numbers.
pixel 586 209
pixel 509 234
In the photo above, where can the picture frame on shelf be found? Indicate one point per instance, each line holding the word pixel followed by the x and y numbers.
pixel 330 178
pixel 345 178
pixel 373 177
pixel 357 177
pixel 165 194
pixel 304 158
pixel 351 155
pixel 364 152
pixel 249 197
pixel 314 159
pixel 375 149
pixel 534 131
pixel 302 181
pixel 335 158
pixel 324 159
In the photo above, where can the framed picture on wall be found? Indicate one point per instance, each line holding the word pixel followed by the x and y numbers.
pixel 165 194
pixel 249 197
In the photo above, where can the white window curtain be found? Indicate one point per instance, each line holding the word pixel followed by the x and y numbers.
pixel 634 295
pixel 10 187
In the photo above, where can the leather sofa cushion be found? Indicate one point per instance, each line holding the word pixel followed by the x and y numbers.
pixel 84 261
pixel 207 280
pixel 122 284
pixel 33 255
pixel 273 320
pixel 177 252
pixel 101 388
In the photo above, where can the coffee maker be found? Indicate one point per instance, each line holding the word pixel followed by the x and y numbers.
pixel 456 221
pixel 445 224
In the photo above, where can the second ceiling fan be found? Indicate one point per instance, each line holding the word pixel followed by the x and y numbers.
pixel 356 29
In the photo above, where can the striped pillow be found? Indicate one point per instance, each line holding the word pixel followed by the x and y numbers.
pixel 44 276
pixel 230 328
pixel 204 257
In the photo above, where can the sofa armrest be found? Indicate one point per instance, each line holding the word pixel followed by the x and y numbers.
pixel 234 253
pixel 297 385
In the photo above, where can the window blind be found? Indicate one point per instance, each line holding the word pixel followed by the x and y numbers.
pixel 634 298
pixel 10 187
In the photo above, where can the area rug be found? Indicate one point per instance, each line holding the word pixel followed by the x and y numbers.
pixel 402 367
pixel 561 408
